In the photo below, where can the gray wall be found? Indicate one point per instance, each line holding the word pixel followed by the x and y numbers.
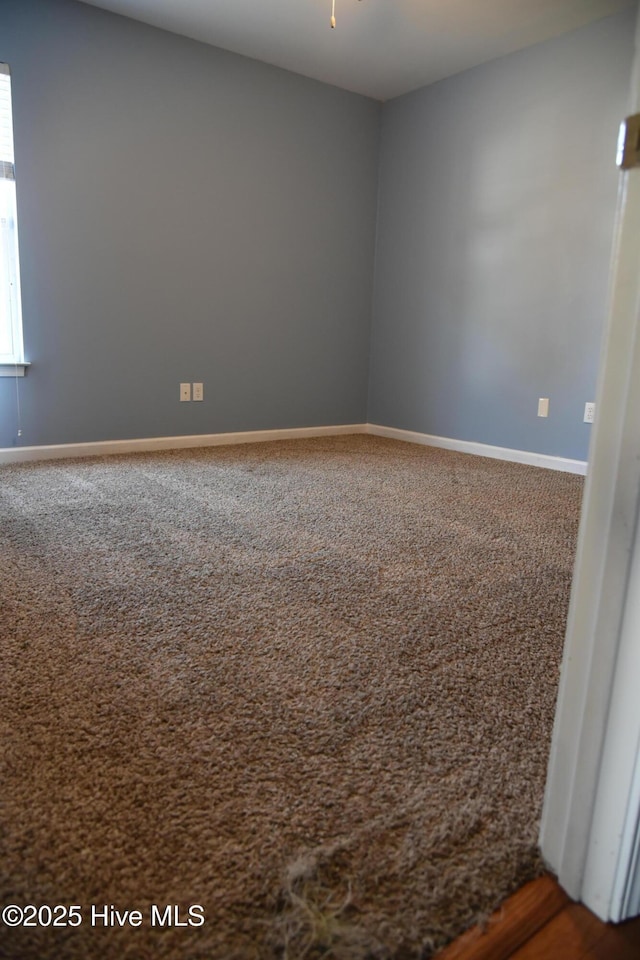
pixel 184 214
pixel 189 214
pixel 496 206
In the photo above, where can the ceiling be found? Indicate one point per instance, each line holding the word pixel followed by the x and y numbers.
pixel 381 48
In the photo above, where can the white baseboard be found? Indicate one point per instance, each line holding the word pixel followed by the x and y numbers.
pixel 105 447
pixel 482 449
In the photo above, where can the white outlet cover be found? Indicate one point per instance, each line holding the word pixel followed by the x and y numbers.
pixel 198 391
pixel 543 407
pixel 589 412
pixel 185 392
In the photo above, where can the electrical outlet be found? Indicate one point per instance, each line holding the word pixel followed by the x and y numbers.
pixel 185 392
pixel 589 412
pixel 198 391
pixel 543 407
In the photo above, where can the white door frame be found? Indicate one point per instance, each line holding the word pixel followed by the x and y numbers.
pixel 590 832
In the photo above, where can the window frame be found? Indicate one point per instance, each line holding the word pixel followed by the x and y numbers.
pixel 11 364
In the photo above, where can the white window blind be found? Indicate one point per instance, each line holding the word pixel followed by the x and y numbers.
pixel 11 350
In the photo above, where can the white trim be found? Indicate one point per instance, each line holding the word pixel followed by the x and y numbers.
pixel 10 369
pixel 626 891
pixel 611 868
pixel 606 876
pixel 103 448
pixel 585 832
pixel 482 449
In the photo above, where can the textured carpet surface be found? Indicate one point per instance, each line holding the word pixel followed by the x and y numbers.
pixel 307 685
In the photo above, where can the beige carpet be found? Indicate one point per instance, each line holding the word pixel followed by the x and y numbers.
pixel 306 685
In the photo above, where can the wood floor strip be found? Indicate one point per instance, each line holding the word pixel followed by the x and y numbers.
pixel 526 912
pixel 621 941
pixel 573 934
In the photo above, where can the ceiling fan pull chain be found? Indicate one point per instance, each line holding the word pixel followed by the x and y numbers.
pixel 333 14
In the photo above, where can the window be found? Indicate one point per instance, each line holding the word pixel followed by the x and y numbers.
pixel 11 348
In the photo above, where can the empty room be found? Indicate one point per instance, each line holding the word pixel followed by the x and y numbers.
pixel 319 474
